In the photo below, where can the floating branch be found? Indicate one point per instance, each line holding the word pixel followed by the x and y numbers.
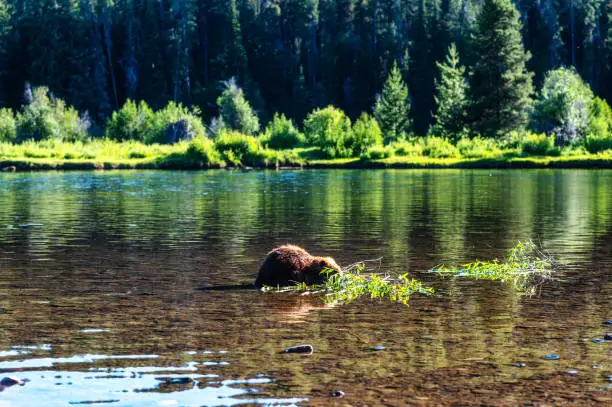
pixel 352 283
pixel 525 268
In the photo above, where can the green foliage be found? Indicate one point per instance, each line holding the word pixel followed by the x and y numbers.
pixel 392 108
pixel 235 111
pixel 131 122
pixel 599 133
pixel 501 85
pixel 202 149
pixel 8 126
pixel 46 117
pixel 378 152
pixel 281 134
pixel 408 148
pixel 478 147
pixel 525 268
pixel 329 129
pixel 538 144
pixel 366 134
pixel 349 285
pixel 563 104
pixel 437 147
pixel 451 98
pixel 346 287
pixel 139 122
pixel 174 123
pixel 238 149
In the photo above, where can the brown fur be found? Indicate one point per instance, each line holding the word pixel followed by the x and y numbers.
pixel 288 264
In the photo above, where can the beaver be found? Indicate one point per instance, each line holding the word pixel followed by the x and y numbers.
pixel 290 264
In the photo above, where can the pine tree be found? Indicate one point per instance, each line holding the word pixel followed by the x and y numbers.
pixel 502 87
pixel 392 108
pixel 451 98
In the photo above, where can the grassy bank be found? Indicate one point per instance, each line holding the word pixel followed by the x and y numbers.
pixel 202 154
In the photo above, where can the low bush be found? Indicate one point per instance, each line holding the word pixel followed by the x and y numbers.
pixel 538 144
pixel 237 148
pixel 139 122
pixel 45 117
pixel 378 152
pixel 366 134
pixel 202 149
pixel 131 122
pixel 329 129
pixel 437 147
pixel 478 147
pixel 407 148
pixel 8 126
pixel 281 134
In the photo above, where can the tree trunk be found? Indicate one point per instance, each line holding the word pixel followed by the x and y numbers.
pixel 109 45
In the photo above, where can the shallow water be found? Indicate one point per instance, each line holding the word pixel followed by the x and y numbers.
pixel 112 288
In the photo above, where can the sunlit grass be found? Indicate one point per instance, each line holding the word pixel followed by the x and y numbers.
pixel 525 268
pixel 349 285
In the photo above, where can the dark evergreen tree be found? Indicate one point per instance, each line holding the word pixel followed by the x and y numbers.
pixel 392 108
pixel 501 85
pixel 451 97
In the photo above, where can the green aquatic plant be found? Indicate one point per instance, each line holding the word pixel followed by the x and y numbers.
pixel 525 268
pixel 353 283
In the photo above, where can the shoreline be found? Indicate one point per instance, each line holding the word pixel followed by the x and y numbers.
pixel 161 163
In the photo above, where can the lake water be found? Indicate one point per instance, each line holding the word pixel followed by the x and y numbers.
pixel 116 288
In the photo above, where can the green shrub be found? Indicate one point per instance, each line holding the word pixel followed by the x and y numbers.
pixel 437 147
pixel 238 148
pixel 202 149
pixel 8 126
pixel 378 152
pixel 139 122
pixel 538 144
pixel 408 148
pixel 366 134
pixel 562 106
pixel 599 134
pixel 329 129
pixel 175 123
pixel 281 134
pixel 478 147
pixel 235 111
pixel 45 117
pixel 131 122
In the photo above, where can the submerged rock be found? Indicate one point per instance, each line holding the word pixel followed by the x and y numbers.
pixel 300 349
pixel 9 381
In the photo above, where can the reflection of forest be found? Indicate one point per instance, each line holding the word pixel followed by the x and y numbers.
pixel 413 218
pixel 125 250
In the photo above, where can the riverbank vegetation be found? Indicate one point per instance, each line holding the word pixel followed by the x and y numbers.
pixel 475 106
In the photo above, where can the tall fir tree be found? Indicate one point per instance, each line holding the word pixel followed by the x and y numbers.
pixel 392 108
pixel 451 97
pixel 501 85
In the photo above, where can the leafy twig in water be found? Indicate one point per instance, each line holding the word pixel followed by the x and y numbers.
pixel 525 268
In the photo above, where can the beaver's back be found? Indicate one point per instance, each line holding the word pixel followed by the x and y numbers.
pixel 284 266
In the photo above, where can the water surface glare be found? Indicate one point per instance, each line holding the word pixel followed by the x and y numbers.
pixel 123 288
